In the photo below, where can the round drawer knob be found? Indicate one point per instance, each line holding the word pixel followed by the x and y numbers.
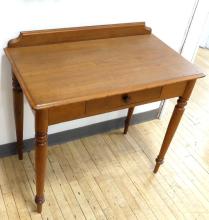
pixel 126 98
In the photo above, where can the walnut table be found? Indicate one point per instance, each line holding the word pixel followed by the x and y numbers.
pixel 77 72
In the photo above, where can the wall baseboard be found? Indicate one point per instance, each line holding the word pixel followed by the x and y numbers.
pixel 69 135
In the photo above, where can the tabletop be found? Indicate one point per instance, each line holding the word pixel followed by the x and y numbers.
pixel 69 72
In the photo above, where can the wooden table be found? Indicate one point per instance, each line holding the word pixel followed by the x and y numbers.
pixel 77 72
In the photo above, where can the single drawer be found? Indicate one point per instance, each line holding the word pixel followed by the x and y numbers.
pixel 66 112
pixel 123 100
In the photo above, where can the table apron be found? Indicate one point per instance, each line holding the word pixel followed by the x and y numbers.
pixel 112 103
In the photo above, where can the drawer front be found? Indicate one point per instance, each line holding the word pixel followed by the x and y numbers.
pixel 66 113
pixel 124 100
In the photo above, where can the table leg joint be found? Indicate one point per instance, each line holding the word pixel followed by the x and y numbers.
pixel 41 139
pixel 159 161
pixel 15 84
pixel 181 103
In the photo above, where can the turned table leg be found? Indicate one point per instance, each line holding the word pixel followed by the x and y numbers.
pixel 128 119
pixel 18 114
pixel 174 122
pixel 41 127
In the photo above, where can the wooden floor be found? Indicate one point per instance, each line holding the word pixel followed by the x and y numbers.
pixel 109 176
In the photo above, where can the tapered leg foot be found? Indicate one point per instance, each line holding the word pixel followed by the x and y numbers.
pixel 39 201
pixel 128 119
pixel 40 155
pixel 39 208
pixel 158 163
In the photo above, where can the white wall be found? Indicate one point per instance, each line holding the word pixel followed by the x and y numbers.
pixel 204 40
pixel 196 31
pixel 168 20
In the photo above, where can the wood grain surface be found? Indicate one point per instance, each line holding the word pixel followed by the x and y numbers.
pixel 69 72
